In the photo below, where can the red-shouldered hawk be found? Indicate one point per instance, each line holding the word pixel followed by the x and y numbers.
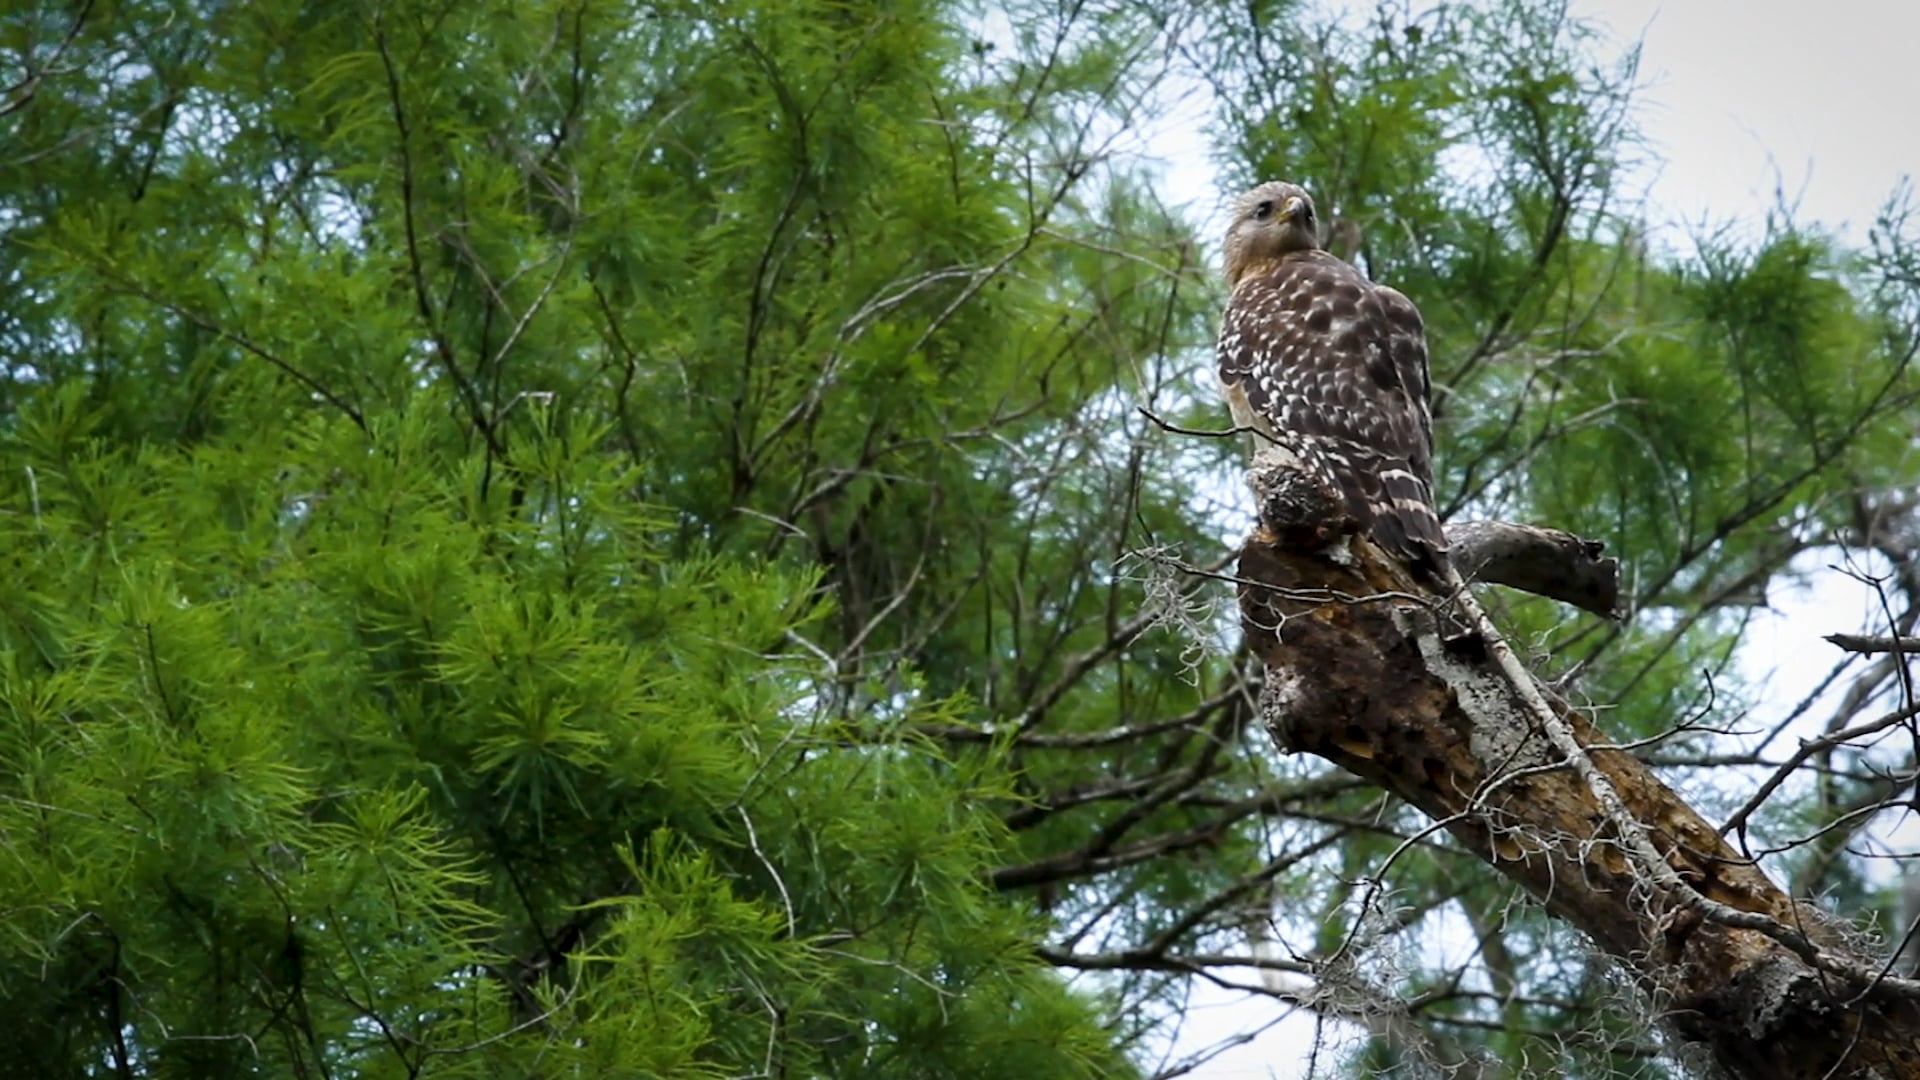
pixel 1333 367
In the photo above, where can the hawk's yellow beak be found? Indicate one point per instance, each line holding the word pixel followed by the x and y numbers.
pixel 1290 209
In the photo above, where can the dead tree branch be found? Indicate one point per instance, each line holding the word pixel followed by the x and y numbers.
pixel 1769 987
pixel 1862 643
pixel 1547 562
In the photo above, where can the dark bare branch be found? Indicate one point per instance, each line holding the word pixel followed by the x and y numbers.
pixel 1546 562
pixel 1863 643
pixel 1768 986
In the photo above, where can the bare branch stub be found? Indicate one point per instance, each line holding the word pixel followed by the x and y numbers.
pixel 1546 562
pixel 1359 679
pixel 1864 643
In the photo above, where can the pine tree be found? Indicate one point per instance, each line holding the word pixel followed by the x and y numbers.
pixel 410 663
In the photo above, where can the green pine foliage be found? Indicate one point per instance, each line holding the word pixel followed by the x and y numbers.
pixel 399 671
pixel 313 738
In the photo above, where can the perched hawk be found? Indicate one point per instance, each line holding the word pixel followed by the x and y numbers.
pixel 1325 363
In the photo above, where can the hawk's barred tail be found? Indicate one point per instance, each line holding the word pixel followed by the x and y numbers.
pixel 1405 524
pixel 1391 503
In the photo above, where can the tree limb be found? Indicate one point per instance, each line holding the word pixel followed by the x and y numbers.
pixel 1769 987
pixel 1862 643
pixel 1546 562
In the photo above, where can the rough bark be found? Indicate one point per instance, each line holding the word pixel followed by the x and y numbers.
pixel 1358 675
pixel 1547 562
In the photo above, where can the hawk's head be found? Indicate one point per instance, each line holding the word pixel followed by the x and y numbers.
pixel 1269 221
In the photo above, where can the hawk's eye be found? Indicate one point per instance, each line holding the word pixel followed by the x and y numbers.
pixel 1264 210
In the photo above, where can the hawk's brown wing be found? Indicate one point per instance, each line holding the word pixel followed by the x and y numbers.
pixel 1328 364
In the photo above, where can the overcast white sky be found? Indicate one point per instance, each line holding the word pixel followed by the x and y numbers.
pixel 1742 100
pixel 1826 92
